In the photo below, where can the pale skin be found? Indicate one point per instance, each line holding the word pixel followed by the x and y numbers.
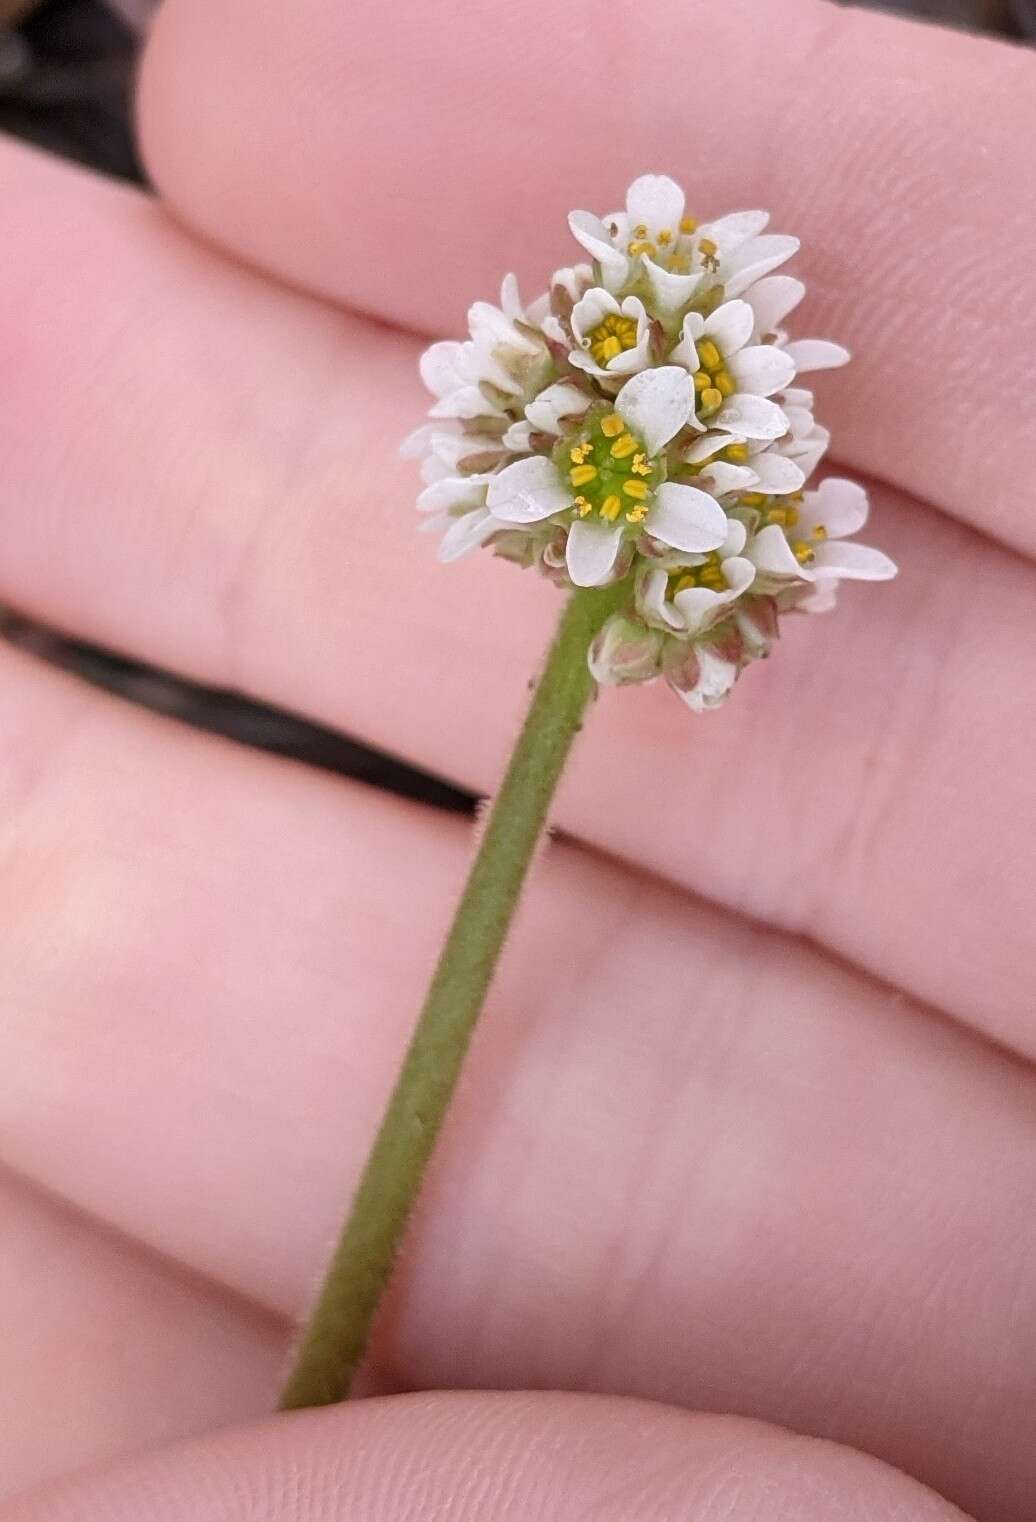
pixel 750 1126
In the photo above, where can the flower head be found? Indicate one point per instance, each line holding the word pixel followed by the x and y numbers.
pixel 642 424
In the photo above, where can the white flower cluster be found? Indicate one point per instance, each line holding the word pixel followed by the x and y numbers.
pixel 642 423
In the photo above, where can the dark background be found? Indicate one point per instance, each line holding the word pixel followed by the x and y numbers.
pixel 66 69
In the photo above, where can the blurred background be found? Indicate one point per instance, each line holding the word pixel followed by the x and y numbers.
pixel 66 73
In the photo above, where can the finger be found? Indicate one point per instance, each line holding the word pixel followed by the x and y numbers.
pixel 691 1160
pixel 224 499
pixel 424 162
pixel 463 1457
pixel 107 1349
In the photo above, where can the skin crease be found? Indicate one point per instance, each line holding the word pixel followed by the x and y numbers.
pixel 694 1159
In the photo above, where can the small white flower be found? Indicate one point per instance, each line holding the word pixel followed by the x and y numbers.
pixel 642 424
pixel 733 377
pixel 611 481
pixel 806 542
pixel 689 594
pixel 612 338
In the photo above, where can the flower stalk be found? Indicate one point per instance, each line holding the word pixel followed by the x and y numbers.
pixel 334 1342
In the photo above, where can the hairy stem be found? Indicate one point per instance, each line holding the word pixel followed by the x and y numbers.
pixel 336 1337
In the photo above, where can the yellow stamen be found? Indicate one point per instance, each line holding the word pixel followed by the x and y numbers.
pixel 581 474
pixel 803 551
pixel 724 382
pixel 641 247
pixel 736 454
pixel 635 489
pixel 665 236
pixel 582 506
pixel 640 466
pixel 689 225
pixel 640 231
pixel 820 532
pixel 702 380
pixel 579 454
pixel 712 399
pixel 624 447
pixel 606 349
pixel 707 248
pixel 637 514
pixel 753 499
pixel 612 425
pixel 709 355
pixel 611 507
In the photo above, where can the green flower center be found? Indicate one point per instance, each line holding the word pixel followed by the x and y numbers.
pixel 608 468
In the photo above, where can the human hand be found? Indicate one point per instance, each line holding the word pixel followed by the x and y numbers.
pixel 749 1126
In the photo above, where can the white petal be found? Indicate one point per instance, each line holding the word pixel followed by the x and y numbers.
pixel 590 309
pixel 590 552
pixel 715 679
pixel 555 402
pixel 466 534
pixel 527 491
pixel 721 478
pixel 656 404
pixel 797 396
pixel 652 598
pixel 757 258
pixel 752 417
pixel 453 491
pixel 772 299
pixel 731 326
pixel 734 543
pixel 686 352
pixel 775 473
pixel 762 369
pixel 771 554
pixel 591 232
pixel 840 506
pixel 846 561
pixel 447 366
pixel 670 291
pixel 805 446
pixel 686 518
pixel 708 444
pixel 817 354
pixel 730 232
pixel 656 201
pixel 420 441
pixel 510 297
pixel 491 329
pixel 518 438
pixel 465 402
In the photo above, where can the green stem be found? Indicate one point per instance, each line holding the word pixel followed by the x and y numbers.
pixel 335 1340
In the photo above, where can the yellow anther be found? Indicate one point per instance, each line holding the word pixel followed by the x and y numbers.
pixel 803 551
pixel 689 225
pixel 665 236
pixel 736 454
pixel 637 514
pixel 640 466
pixel 635 489
pixel 582 506
pixel 640 231
pixel 712 399
pixel 679 264
pixel 641 247
pixel 709 355
pixel 611 507
pixel 606 349
pixel 724 382
pixel 820 532
pixel 753 499
pixel 579 454
pixel 624 447
pixel 707 249
pixel 612 425
pixel 702 380
pixel 581 474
